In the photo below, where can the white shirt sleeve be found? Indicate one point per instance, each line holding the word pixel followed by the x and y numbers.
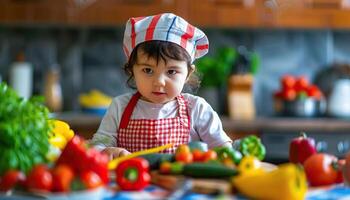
pixel 206 123
pixel 106 135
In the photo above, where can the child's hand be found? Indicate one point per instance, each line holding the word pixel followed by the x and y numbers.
pixel 114 152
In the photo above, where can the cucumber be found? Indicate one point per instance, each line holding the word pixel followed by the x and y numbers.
pixel 155 159
pixel 208 170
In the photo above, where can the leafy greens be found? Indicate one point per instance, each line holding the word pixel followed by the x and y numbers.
pixel 24 131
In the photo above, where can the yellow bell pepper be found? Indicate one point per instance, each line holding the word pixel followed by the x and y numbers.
pixel 61 127
pixel 250 165
pixel 58 140
pixel 287 182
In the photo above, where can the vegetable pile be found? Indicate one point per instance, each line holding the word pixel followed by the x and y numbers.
pixel 77 168
pixel 321 168
pixel 293 88
pixel 24 128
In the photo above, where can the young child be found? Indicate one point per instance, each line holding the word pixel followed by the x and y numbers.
pixel 160 51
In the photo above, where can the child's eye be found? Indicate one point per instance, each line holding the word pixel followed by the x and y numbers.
pixel 172 72
pixel 147 70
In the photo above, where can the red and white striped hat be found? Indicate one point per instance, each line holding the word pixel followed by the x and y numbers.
pixel 165 27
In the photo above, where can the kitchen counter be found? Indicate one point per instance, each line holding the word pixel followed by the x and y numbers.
pixel 87 124
pixel 287 124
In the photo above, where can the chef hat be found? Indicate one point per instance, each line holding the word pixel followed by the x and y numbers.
pixel 165 27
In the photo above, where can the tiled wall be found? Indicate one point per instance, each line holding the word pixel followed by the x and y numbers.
pixel 93 58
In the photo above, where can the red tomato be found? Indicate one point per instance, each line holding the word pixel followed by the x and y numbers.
pixel 40 178
pixel 184 157
pixel 301 84
pixel 10 179
pixel 90 179
pixel 62 177
pixel 278 95
pixel 288 81
pixel 314 91
pixel 210 155
pixel 289 94
pixel 165 167
pixel 341 165
pixel 347 168
pixel 319 169
pixel 197 155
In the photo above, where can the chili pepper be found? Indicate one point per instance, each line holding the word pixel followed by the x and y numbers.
pixel 301 148
pixel 133 174
pixel 251 145
pixel 227 152
pixel 288 180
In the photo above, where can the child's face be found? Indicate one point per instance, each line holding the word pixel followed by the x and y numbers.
pixel 159 82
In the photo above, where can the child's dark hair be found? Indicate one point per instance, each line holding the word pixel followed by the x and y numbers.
pixel 162 50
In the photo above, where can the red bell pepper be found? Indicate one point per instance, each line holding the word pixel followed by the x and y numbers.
pixel 81 158
pixel 74 154
pixel 133 174
pixel 301 148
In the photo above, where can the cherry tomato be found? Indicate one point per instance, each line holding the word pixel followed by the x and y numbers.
pixel 319 169
pixel 165 167
pixel 314 91
pixel 62 177
pixel 197 155
pixel 40 178
pixel 209 155
pixel 184 157
pixel 301 84
pixel 288 81
pixel 289 94
pixel 10 179
pixel 90 179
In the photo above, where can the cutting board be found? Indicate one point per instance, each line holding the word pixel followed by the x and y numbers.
pixel 197 185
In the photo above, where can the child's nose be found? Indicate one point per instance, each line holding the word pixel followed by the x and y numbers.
pixel 159 80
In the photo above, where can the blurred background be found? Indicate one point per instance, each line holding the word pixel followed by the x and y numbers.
pixel 264 59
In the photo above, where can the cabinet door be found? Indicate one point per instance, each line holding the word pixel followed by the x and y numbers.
pixel 117 12
pixel 225 13
pixel 32 11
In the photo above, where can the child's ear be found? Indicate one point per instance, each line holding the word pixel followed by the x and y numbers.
pixel 191 70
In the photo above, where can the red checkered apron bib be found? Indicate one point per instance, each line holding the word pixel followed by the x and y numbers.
pixel 139 134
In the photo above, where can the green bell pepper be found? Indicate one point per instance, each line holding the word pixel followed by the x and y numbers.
pixel 228 152
pixel 251 145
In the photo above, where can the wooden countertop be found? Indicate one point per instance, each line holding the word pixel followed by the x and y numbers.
pixel 287 124
pixel 80 120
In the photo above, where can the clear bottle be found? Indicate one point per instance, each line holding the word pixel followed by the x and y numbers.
pixel 53 90
pixel 21 76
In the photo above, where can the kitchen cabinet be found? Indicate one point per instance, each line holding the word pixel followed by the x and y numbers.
pixel 225 13
pixel 268 14
pixel 84 13
pixel 205 13
pixel 33 12
pixel 117 12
